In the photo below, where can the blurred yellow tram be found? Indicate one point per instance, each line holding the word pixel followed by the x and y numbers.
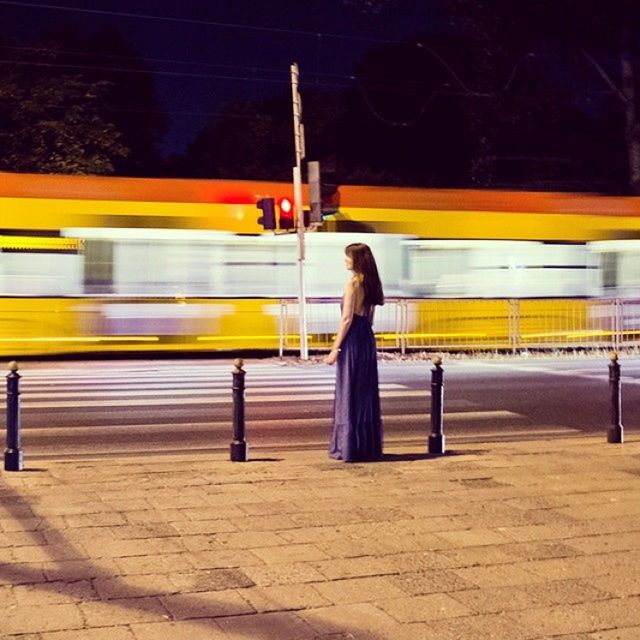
pixel 129 264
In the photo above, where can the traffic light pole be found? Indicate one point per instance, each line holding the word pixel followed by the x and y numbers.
pixel 298 133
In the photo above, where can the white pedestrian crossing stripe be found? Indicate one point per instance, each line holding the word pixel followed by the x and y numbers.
pixel 210 398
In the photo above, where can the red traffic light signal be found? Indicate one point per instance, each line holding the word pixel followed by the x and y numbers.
pixel 268 217
pixel 287 220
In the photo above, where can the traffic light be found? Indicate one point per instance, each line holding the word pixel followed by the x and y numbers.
pixel 268 217
pixel 324 196
pixel 315 201
pixel 286 214
pixel 330 199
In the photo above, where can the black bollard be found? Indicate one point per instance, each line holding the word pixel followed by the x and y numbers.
pixel 239 448
pixel 13 453
pixel 615 433
pixel 436 437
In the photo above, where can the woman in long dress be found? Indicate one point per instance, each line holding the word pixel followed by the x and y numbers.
pixel 357 425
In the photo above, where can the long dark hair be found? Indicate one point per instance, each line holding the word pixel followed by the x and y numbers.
pixel 364 264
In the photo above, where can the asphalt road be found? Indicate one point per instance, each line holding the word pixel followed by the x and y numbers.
pixel 87 408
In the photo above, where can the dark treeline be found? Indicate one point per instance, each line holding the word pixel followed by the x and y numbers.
pixel 535 95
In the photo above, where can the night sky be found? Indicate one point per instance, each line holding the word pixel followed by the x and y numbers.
pixel 206 54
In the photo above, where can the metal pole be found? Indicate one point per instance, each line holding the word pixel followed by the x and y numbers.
pixel 615 433
pixel 239 447
pixel 436 437
pixel 302 301
pixel 13 460
pixel 298 134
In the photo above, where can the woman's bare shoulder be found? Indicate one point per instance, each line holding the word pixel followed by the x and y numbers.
pixel 351 284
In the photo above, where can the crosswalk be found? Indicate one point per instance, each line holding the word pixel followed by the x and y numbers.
pixel 93 407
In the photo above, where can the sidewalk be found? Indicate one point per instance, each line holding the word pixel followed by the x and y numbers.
pixel 508 541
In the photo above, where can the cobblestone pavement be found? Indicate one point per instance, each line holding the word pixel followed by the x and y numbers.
pixel 511 541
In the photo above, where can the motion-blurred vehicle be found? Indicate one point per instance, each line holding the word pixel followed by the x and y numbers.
pixel 118 264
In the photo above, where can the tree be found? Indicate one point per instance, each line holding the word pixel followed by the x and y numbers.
pixel 129 100
pixel 541 61
pixel 545 91
pixel 251 140
pixel 83 104
pixel 49 122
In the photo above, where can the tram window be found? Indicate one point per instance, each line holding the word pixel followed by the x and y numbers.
pixel 98 266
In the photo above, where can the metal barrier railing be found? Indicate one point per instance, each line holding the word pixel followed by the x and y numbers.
pixel 406 324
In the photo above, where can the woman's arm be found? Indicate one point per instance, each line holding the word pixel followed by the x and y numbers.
pixel 348 302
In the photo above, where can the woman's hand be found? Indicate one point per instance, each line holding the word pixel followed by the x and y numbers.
pixel 332 357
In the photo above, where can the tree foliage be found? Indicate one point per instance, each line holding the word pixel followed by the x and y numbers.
pixel 71 104
pixel 129 99
pixel 500 94
pixel 49 123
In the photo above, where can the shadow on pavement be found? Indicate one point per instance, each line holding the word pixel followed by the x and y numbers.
pixel 137 598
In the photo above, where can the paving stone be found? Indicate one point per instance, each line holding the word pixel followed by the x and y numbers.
pixel 222 559
pixel 246 540
pixel 284 597
pixel 355 590
pixel 123 611
pixel 206 604
pixel 618 584
pixel 272 522
pixel 543 550
pixel 35 619
pixel 13 574
pixel 7 597
pixel 578 618
pixel 503 575
pixel 496 599
pixel 60 507
pixel 211 513
pixel 283 574
pixel 317 534
pixel 201 629
pixel 628 633
pixel 103 519
pixel 54 593
pixel 266 626
pixel 473 537
pixel 423 608
pixel 159 563
pixel 354 567
pixel 144 531
pixel 6 555
pixel 150 515
pixel 198 527
pixel 480 627
pixel 210 580
pixel 363 621
pixel 134 586
pixel 423 582
pixel 11 539
pixel 46 553
pixel 349 548
pixel 70 570
pixel 289 553
pixel 478 556
pixel 608 542
pixel 564 592
pixel 104 633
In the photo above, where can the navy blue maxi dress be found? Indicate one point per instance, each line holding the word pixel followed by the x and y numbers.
pixel 357 425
